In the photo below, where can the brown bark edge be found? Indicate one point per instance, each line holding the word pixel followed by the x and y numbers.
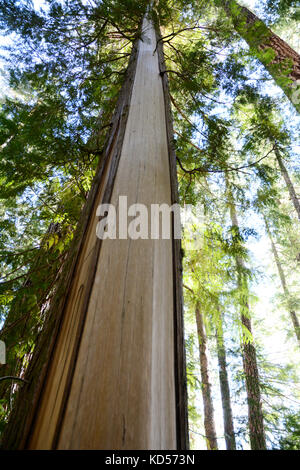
pixel 179 353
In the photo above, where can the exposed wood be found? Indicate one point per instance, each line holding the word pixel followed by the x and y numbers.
pixel 128 336
pixel 180 357
pixel 114 368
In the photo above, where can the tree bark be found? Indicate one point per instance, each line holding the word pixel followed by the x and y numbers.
pixel 109 370
pixel 225 391
pixel 209 423
pixel 283 65
pixel 255 414
pixel 284 286
pixel 288 182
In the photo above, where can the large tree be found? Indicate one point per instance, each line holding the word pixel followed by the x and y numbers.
pixel 149 410
pixel 88 119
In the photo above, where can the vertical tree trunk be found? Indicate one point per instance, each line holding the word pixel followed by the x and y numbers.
pixel 284 62
pixel 292 313
pixel 110 360
pixel 255 414
pixel 225 391
pixel 288 182
pixel 209 422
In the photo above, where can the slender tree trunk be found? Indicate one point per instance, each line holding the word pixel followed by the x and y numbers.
pixel 288 182
pixel 285 289
pixel 283 64
pixel 255 414
pixel 225 391
pixel 108 372
pixel 209 422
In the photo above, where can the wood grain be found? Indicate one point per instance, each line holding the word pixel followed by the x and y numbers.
pixel 122 392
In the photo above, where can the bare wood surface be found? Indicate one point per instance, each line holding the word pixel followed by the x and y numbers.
pixel 179 343
pixel 122 392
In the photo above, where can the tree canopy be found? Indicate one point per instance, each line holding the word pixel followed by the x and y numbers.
pixel 235 136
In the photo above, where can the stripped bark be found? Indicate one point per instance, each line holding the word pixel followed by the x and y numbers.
pixel 225 390
pixel 284 63
pixel 134 360
pixel 293 315
pixel 180 357
pixel 209 422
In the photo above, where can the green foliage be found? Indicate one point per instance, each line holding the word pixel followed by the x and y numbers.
pixel 292 440
pixel 65 70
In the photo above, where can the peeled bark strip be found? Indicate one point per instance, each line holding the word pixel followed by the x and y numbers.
pixel 225 391
pixel 288 182
pixel 209 422
pixel 284 62
pixel 285 289
pixel 180 357
pixel 255 414
pixel 111 381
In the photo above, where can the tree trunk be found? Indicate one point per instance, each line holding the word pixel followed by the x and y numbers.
pixel 288 182
pixel 292 313
pixel 109 370
pixel 283 64
pixel 225 391
pixel 255 414
pixel 209 422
